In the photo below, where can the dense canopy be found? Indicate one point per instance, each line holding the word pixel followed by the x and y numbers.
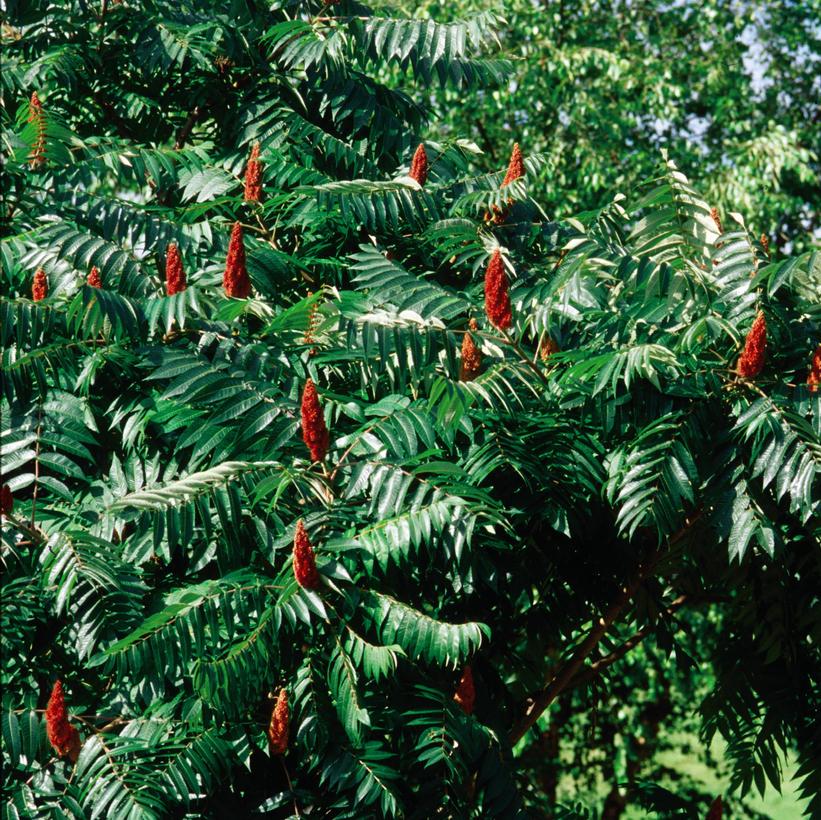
pixel 342 478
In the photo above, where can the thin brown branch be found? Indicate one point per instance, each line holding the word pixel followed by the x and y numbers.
pixel 185 132
pixel 568 671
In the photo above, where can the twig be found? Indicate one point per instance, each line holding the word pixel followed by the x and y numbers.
pixel 565 675
pixel 290 787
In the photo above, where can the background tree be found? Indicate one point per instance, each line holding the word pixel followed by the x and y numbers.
pixel 731 89
pixel 337 477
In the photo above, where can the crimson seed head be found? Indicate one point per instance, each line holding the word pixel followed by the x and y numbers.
pixel 61 734
pixel 814 376
pixel 174 274
pixel 6 500
pixel 39 286
pixel 305 570
pixel 314 431
pixel 419 165
pixel 765 243
pixel 751 361
pixel 466 693
pixel 278 727
pixel 716 218
pixel 471 356
pixel 94 280
pixel 497 296
pixel 235 280
pixel 253 176
pixel 516 166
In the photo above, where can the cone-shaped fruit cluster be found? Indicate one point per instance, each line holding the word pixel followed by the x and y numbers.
pixel 716 219
pixel 61 734
pixel 253 176
pixel 174 273
pixel 278 727
pixel 39 286
pixel 235 280
pixel 471 356
pixel 497 296
pixel 516 166
pixel 716 809
pixel 466 693
pixel 419 165
pixel 547 348
pixel 314 431
pixel 751 361
pixel 305 570
pixel 6 500
pixel 94 279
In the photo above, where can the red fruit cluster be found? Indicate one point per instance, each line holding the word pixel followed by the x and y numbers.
pixel 61 734
pixel 419 165
pixel 751 361
pixel 548 347
pixel 314 431
pixel 716 219
pixel 305 570
pixel 278 727
pixel 174 274
pixel 516 166
pixel 466 692
pixel 6 500
pixel 765 243
pixel 36 115
pixel 235 280
pixel 716 809
pixel 94 279
pixel 814 376
pixel 39 286
pixel 471 356
pixel 253 176
pixel 497 296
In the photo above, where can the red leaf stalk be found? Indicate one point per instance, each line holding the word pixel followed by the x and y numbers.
pixel 61 734
pixel 39 286
pixel 466 692
pixel 253 176
pixel 278 727
pixel 751 361
pixel 471 356
pixel 716 809
pixel 37 116
pixel 314 431
pixel 6 500
pixel 419 165
pixel 814 376
pixel 497 296
pixel 305 570
pixel 235 280
pixel 94 279
pixel 174 273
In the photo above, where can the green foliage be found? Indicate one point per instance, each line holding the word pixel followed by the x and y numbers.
pixel 152 443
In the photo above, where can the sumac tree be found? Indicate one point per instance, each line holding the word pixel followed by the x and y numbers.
pixel 336 475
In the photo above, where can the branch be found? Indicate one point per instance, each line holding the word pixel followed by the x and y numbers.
pixel 565 675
